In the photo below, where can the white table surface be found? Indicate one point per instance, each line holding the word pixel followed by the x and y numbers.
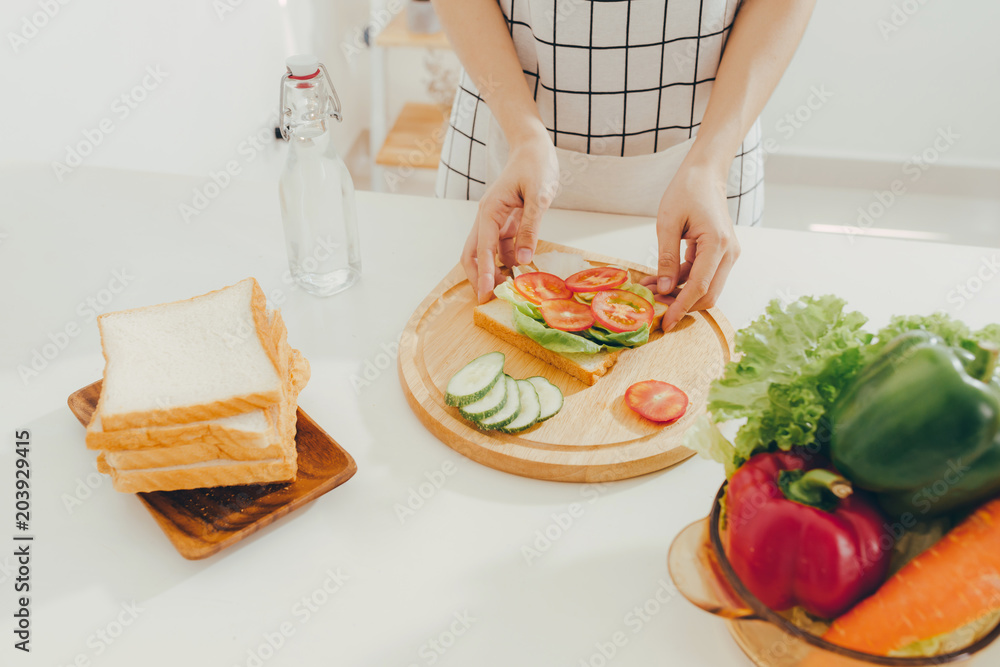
pixel 408 581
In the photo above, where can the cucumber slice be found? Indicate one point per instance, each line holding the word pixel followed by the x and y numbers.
pixel 509 410
pixel 549 397
pixel 530 409
pixel 488 405
pixel 475 379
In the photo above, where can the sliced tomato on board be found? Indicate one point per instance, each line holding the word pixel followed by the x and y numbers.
pixel 538 286
pixel 619 310
pixel 597 279
pixel 566 314
pixel 657 401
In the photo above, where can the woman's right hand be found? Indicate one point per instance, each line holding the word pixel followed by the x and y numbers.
pixel 510 212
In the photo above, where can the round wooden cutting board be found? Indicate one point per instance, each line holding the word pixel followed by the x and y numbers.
pixel 595 437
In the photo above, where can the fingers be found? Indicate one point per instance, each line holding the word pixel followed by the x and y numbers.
pixel 535 205
pixel 682 275
pixel 718 283
pixel 507 246
pixel 685 273
pixel 469 261
pixel 490 219
pixel 669 230
pixel 708 257
pixel 507 253
pixel 732 252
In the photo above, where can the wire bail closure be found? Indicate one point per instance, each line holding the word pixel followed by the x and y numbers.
pixel 286 112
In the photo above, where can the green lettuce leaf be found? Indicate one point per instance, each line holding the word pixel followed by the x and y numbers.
pixel 705 438
pixel 635 288
pixel 990 334
pixel 952 331
pixel 629 338
pixel 590 341
pixel 641 290
pixel 795 362
pixel 625 339
pixel 506 292
pixel 553 339
pixel 952 641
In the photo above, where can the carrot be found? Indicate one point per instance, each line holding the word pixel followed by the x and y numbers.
pixel 951 584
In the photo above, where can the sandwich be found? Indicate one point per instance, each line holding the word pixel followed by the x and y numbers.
pixel 576 315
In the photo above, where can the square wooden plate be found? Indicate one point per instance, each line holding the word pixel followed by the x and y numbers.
pixel 202 522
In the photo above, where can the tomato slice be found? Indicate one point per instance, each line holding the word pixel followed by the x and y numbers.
pixel 538 286
pixel 597 279
pixel 657 401
pixel 619 310
pixel 566 314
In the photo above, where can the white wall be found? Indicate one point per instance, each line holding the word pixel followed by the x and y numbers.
pixel 220 63
pixel 893 88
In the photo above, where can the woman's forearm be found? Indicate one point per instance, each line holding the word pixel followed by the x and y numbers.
pixel 478 32
pixel 761 44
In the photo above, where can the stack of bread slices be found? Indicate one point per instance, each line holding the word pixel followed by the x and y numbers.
pixel 198 393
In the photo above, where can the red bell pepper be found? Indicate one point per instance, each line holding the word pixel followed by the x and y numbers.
pixel 797 535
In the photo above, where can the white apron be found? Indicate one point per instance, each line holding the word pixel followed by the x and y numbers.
pixel 621 87
pixel 604 183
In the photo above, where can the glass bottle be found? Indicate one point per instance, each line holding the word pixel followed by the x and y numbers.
pixel 316 190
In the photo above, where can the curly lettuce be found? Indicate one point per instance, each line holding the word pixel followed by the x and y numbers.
pixel 795 361
pixel 953 332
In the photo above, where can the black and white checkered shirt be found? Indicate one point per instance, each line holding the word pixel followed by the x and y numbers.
pixel 610 77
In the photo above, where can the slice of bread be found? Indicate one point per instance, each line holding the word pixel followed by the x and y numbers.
pixel 208 473
pixel 221 472
pixel 256 429
pixel 208 357
pixel 250 429
pixel 219 443
pixel 497 317
pixel 187 454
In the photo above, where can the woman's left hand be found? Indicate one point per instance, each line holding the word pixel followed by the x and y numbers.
pixel 693 208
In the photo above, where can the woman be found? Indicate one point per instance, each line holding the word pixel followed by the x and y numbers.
pixel 630 106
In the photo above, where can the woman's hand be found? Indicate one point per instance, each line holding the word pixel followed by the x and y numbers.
pixel 693 208
pixel 510 212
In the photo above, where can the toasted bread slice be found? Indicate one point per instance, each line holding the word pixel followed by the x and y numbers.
pixel 208 357
pixel 496 316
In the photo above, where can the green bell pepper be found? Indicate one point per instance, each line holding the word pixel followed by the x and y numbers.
pixel 920 426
